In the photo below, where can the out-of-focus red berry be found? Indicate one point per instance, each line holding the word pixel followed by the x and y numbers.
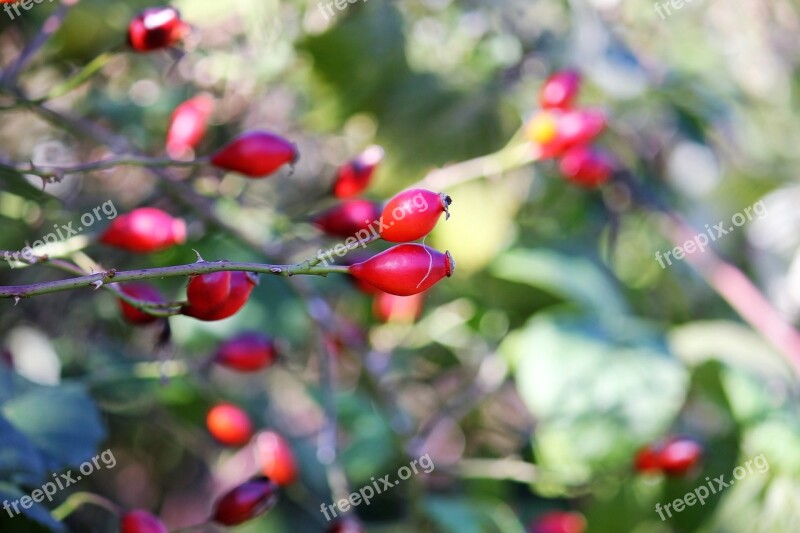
pixel 188 125
pixel 403 309
pixel 588 167
pixel 674 456
pixel 277 458
pixel 140 521
pixel 156 28
pixel 245 502
pixel 247 352
pixel 229 424
pixel 348 218
pixel 559 522
pixel 346 525
pixel 140 291
pixel 355 176
pixel 554 131
pixel 560 90
pixel 144 230
pixel 256 154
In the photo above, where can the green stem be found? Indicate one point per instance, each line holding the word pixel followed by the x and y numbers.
pixel 74 501
pixel 112 276
pixel 50 172
pixel 340 250
pixel 77 79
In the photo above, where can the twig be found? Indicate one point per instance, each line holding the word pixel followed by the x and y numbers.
pixel 56 173
pixel 112 276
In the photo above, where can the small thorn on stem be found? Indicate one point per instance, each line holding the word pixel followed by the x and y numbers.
pixel 97 284
pixel 199 257
pixel 16 300
pixel 276 270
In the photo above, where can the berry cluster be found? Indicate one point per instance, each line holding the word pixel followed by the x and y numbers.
pixel 560 130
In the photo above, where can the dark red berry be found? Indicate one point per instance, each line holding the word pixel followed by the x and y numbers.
pixel 412 214
pixel 346 525
pixel 277 458
pixel 188 124
pixel 206 292
pixel 403 309
pixel 405 269
pixel 560 90
pixel 203 308
pixel 256 154
pixel 586 166
pixel 155 28
pixel 680 455
pixel 140 291
pixel 139 521
pixel 559 522
pixel 145 229
pixel 354 176
pixel 647 459
pixel 229 424
pixel 245 502
pixel 247 352
pixel 348 218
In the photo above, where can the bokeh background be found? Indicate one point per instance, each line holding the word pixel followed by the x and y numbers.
pixel 557 350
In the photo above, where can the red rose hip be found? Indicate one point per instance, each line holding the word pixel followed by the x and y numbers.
pixel 256 154
pixel 355 176
pixel 229 424
pixel 218 304
pixel 587 167
pixel 559 522
pixel 156 28
pixel 144 230
pixel 245 502
pixel 277 458
pixel 140 521
pixel 188 124
pixel 412 214
pixel 405 269
pixel 247 352
pixel 348 218
pixel 139 291
pixel 560 90
pixel 680 455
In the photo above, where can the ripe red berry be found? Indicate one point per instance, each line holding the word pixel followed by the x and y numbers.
pixel 188 124
pixel 256 154
pixel 554 131
pixel 277 458
pixel 412 214
pixel 403 309
pixel 245 502
pixel 405 269
pixel 680 455
pixel 559 522
pixel 247 352
pixel 206 292
pixel 145 229
pixel 155 28
pixel 346 525
pixel 348 218
pixel 216 305
pixel 229 424
pixel 140 521
pixel 586 166
pixel 354 176
pixel 140 291
pixel 673 457
pixel 580 126
pixel 560 90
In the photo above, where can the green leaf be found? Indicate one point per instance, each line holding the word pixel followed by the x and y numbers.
pixel 572 278
pixel 597 392
pixel 20 461
pixel 62 422
pixel 463 515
